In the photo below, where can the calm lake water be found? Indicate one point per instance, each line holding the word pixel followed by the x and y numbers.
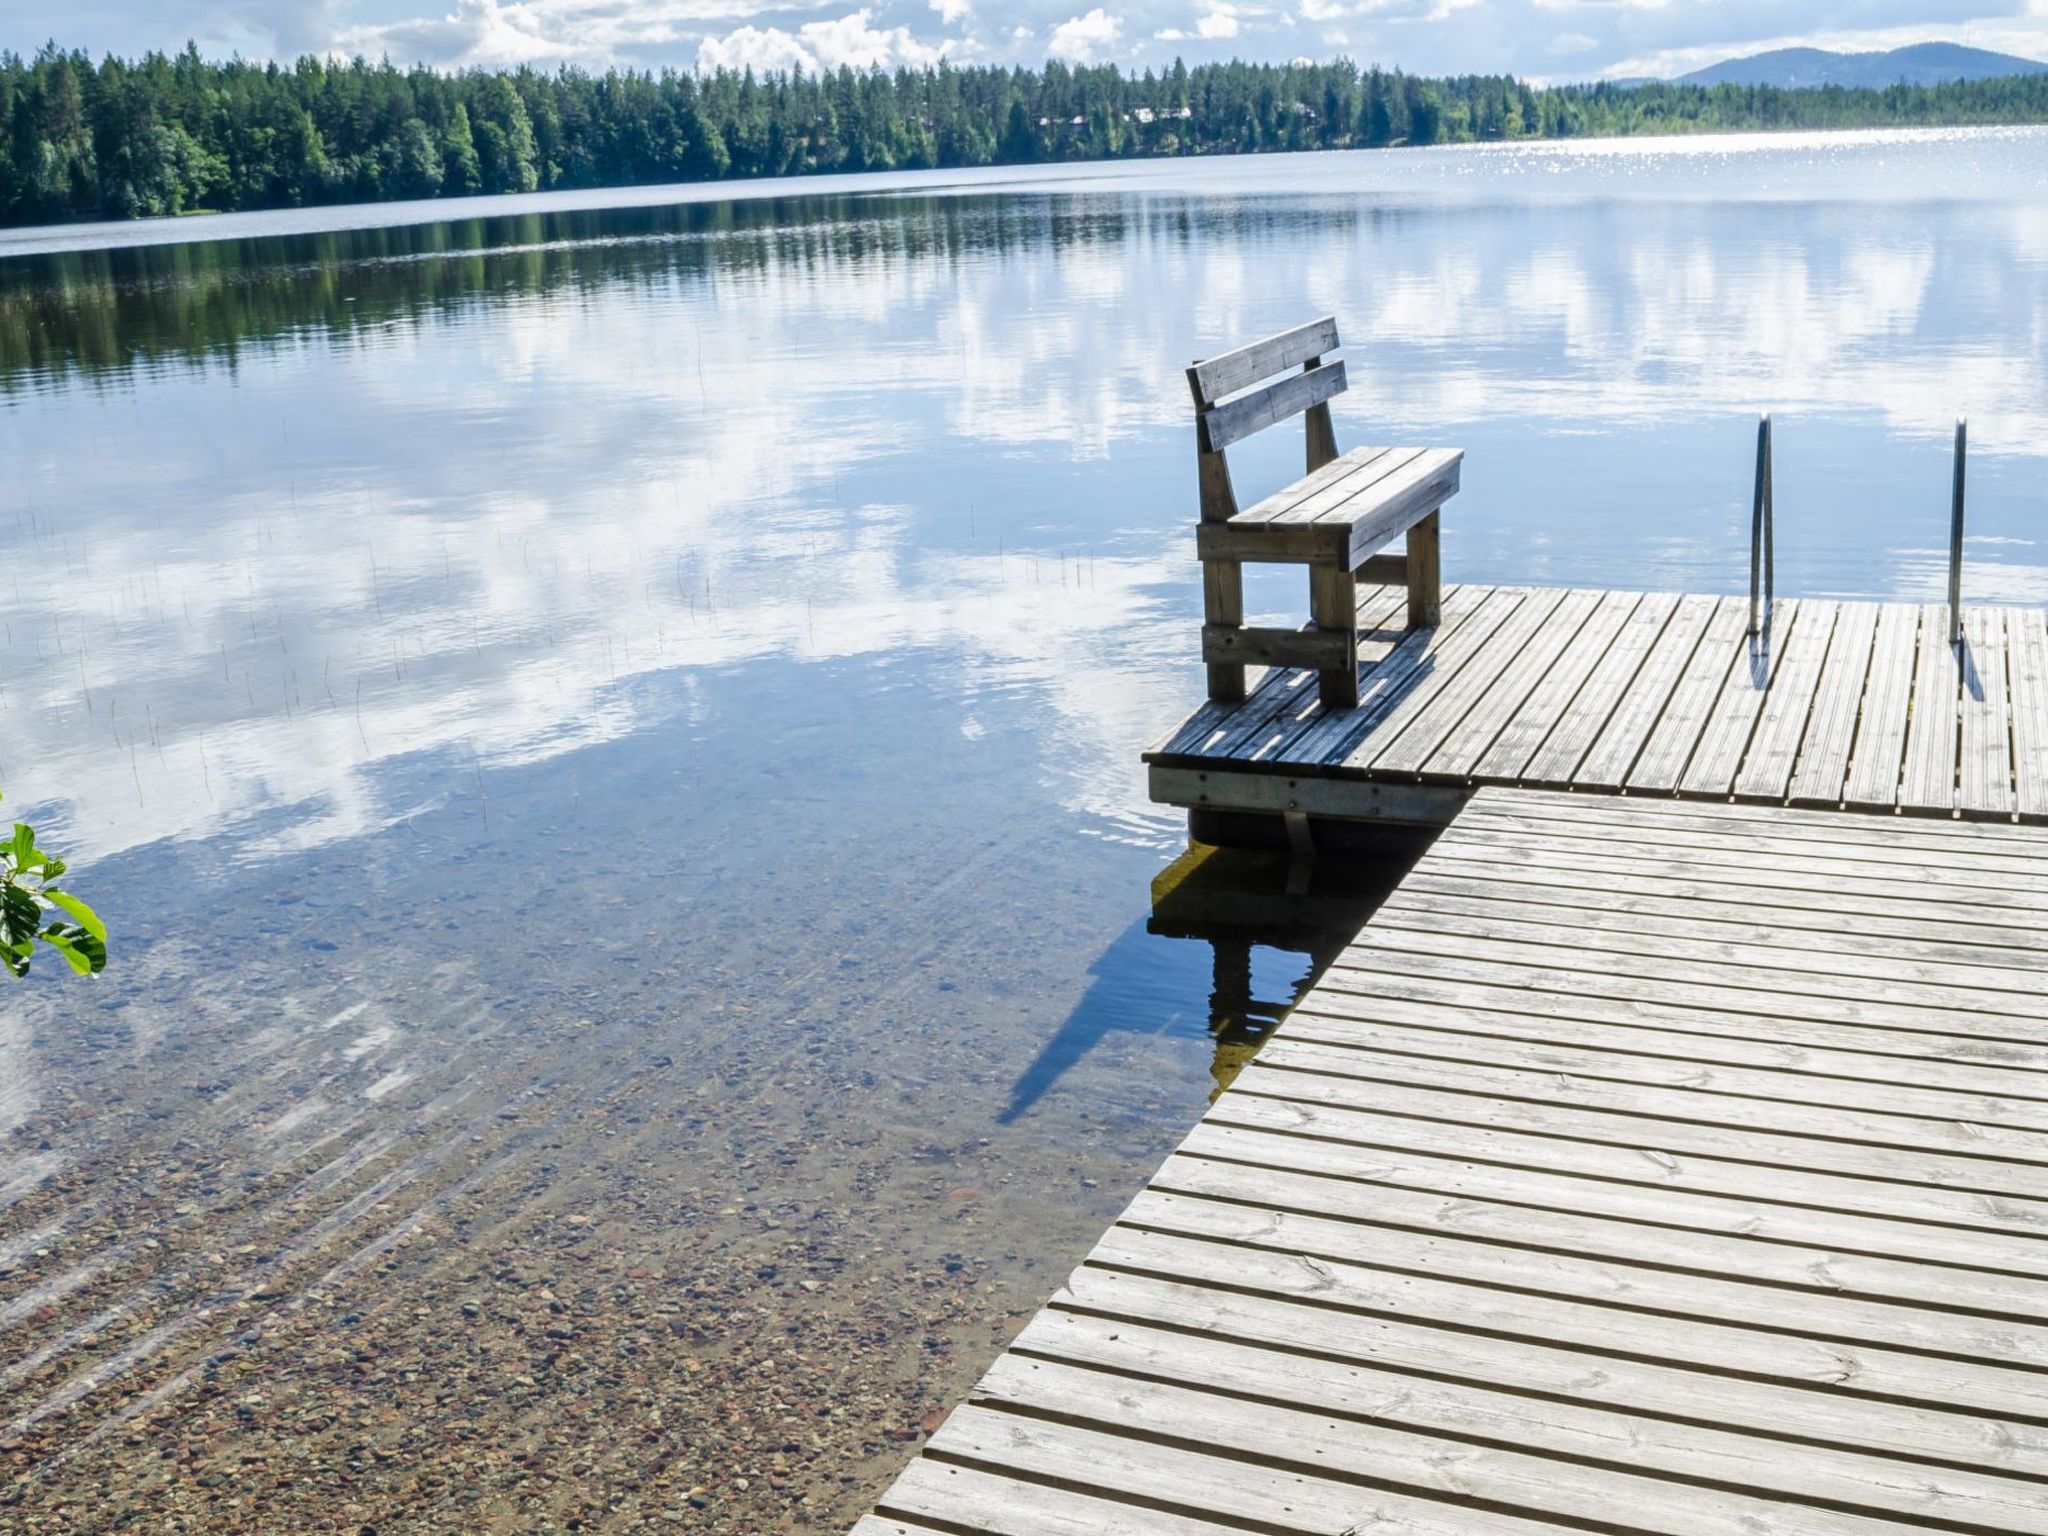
pixel 607 738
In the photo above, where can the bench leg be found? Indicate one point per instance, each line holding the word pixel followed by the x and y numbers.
pixel 1223 603
pixel 1333 604
pixel 1425 574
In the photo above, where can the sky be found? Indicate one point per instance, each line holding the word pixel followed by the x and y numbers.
pixel 1538 39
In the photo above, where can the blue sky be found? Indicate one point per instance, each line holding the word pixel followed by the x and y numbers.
pixel 1546 39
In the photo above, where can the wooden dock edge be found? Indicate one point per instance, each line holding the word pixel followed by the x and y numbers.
pixel 1269 793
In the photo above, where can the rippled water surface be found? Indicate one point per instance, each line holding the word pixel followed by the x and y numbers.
pixel 608 740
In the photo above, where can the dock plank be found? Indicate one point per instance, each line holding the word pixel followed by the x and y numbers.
pixel 1645 1165
pixel 1929 784
pixel 1986 767
pixel 1662 762
pixel 1732 719
pixel 1628 730
pixel 1404 745
pixel 1523 735
pixel 1876 761
pixel 1837 704
pixel 1782 726
pixel 2026 632
pixel 1557 761
pixel 1458 754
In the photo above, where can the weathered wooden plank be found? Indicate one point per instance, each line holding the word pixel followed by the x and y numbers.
pixel 2027 648
pixel 1384 718
pixel 1237 418
pixel 1876 759
pixel 1627 731
pixel 1838 701
pixel 1372 970
pixel 1979 879
pixel 1961 843
pixel 1340 1280
pixel 1459 752
pixel 1329 734
pixel 1535 1044
pixel 1357 1390
pixel 1340 525
pixel 1402 740
pixel 1838 1294
pixel 1995 1157
pixel 1725 740
pixel 1507 1248
pixel 1796 994
pixel 1401 503
pixel 1825 941
pixel 1233 729
pixel 1342 468
pixel 986 1503
pixel 1281 1500
pixel 1643 1166
pixel 1228 372
pixel 2018 941
pixel 1441 1124
pixel 1523 735
pixel 1557 760
pixel 1595 1377
pixel 1929 1057
pixel 1352 1446
pixel 1748 1234
pixel 1311 648
pixel 1355 488
pixel 1424 552
pixel 1766 771
pixel 1986 787
pixel 1929 784
pixel 1661 764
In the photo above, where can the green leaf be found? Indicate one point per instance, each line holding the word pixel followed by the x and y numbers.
pixel 19 914
pixel 15 958
pixel 23 847
pixel 84 953
pixel 88 919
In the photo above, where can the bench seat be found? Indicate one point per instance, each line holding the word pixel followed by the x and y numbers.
pixel 1342 514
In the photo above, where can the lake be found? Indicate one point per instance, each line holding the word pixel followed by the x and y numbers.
pixel 606 731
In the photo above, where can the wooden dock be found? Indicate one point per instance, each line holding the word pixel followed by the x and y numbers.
pixel 1835 704
pixel 1643 1167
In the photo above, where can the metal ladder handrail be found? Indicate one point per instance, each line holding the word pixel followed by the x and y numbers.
pixel 1762 555
pixel 1955 535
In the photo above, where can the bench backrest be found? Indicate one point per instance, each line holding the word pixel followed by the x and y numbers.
pixel 1228 408
pixel 1237 393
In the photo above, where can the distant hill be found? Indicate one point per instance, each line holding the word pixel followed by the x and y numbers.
pixel 1921 64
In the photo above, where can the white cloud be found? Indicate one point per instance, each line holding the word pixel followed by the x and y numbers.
pixel 852 40
pixel 1079 38
pixel 1219 19
pixel 1587 37
pixel 476 32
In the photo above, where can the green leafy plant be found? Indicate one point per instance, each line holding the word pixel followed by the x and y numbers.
pixel 27 897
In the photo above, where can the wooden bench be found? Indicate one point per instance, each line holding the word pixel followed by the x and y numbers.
pixel 1335 519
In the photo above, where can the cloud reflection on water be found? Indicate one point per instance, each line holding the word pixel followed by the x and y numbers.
pixel 286 512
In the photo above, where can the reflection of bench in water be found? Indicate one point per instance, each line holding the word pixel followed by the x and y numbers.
pixel 1236 901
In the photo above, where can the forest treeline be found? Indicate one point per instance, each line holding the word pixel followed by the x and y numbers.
pixel 179 134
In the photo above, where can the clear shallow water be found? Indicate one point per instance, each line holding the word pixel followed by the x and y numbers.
pixel 608 741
